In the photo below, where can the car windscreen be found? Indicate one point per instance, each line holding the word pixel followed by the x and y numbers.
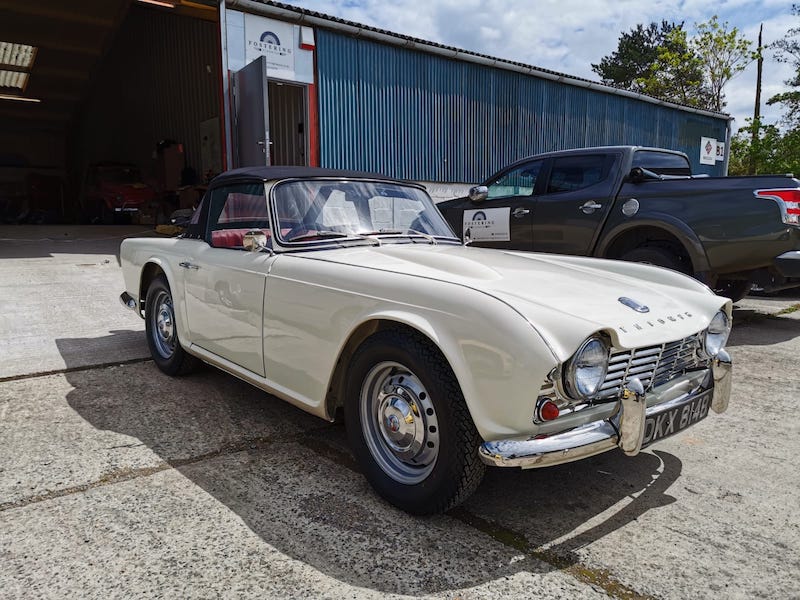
pixel 325 210
pixel 663 163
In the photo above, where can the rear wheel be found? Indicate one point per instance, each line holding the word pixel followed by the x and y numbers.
pixel 658 256
pixel 408 425
pixel 162 330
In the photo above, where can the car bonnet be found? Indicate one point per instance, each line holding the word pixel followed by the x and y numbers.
pixel 564 298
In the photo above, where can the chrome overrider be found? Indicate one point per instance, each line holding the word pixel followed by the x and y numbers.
pixel 620 423
pixel 127 301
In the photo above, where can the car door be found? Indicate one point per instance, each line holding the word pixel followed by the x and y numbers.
pixel 574 203
pixel 224 284
pixel 505 218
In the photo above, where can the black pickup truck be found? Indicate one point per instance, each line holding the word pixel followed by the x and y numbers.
pixel 644 205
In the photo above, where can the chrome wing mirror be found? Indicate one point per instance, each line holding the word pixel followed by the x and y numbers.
pixel 255 241
pixel 478 193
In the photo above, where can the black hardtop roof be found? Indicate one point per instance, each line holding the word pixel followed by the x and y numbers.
pixel 277 173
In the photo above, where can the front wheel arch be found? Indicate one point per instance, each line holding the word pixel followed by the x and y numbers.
pixel 334 399
pixel 408 424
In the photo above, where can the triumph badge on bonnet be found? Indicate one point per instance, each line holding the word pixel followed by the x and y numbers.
pixel 640 308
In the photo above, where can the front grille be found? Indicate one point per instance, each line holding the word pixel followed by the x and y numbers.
pixel 653 365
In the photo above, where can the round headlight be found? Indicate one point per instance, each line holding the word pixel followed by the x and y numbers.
pixel 587 369
pixel 717 334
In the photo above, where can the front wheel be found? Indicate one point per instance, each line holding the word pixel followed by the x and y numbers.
pixel 408 424
pixel 162 330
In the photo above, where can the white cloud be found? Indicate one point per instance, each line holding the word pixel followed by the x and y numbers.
pixel 569 35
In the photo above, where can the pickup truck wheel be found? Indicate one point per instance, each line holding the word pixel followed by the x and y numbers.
pixel 733 288
pixel 408 424
pixel 655 255
pixel 162 331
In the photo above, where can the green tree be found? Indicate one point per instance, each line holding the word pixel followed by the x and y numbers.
pixel 634 59
pixel 663 61
pixel 787 50
pixel 722 53
pixel 677 72
pixel 770 150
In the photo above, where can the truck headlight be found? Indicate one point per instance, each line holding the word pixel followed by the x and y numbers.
pixel 587 369
pixel 717 334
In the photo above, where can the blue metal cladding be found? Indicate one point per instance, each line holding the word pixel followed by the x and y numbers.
pixel 414 115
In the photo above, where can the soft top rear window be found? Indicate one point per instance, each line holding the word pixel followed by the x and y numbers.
pixel 662 163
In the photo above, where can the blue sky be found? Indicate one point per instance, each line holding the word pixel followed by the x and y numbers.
pixel 569 35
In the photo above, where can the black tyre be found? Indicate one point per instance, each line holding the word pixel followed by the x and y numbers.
pixel 733 288
pixel 658 256
pixel 408 424
pixel 162 330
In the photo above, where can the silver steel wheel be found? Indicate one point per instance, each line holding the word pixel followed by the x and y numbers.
pixel 163 325
pixel 399 423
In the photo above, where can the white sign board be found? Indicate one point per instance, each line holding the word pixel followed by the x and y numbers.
pixel 720 151
pixel 487 225
pixel 708 151
pixel 272 39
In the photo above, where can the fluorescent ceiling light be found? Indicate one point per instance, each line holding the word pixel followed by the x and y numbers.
pixel 159 3
pixel 17 55
pixel 18 98
pixel 13 79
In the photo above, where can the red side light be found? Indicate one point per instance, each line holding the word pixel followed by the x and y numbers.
pixel 789 198
pixel 548 410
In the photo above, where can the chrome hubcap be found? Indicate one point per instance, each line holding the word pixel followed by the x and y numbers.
pixel 163 321
pixel 399 423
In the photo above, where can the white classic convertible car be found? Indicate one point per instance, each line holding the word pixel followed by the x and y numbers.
pixel 338 290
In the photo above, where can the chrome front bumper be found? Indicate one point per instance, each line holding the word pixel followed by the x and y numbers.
pixel 625 429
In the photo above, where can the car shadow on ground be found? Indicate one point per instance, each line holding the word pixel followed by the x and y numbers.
pixel 292 480
pixel 752 328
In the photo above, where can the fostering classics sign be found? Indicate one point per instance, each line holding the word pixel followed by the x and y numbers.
pixel 273 40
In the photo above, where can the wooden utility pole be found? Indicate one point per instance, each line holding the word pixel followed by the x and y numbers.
pixel 751 168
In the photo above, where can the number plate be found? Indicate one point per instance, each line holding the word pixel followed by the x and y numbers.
pixel 676 419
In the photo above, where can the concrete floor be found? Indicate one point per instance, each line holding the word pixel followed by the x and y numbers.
pixel 117 481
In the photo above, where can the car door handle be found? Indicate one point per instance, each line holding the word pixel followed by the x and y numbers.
pixel 590 206
pixel 188 265
pixel 520 212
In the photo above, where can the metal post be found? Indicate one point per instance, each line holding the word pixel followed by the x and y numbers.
pixel 226 96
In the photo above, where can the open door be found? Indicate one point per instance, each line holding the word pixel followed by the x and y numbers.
pixel 250 115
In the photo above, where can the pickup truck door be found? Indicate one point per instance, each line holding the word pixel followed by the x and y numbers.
pixel 574 203
pixel 505 218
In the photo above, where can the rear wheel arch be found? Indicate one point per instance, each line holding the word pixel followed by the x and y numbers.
pixel 150 271
pixel 690 255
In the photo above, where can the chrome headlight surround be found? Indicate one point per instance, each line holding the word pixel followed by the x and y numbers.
pixel 587 369
pixel 716 336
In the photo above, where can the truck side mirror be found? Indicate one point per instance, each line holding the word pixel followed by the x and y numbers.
pixel 478 193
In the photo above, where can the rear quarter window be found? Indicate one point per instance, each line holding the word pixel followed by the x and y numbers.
pixel 662 163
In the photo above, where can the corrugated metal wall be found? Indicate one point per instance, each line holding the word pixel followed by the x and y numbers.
pixel 158 81
pixel 419 116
